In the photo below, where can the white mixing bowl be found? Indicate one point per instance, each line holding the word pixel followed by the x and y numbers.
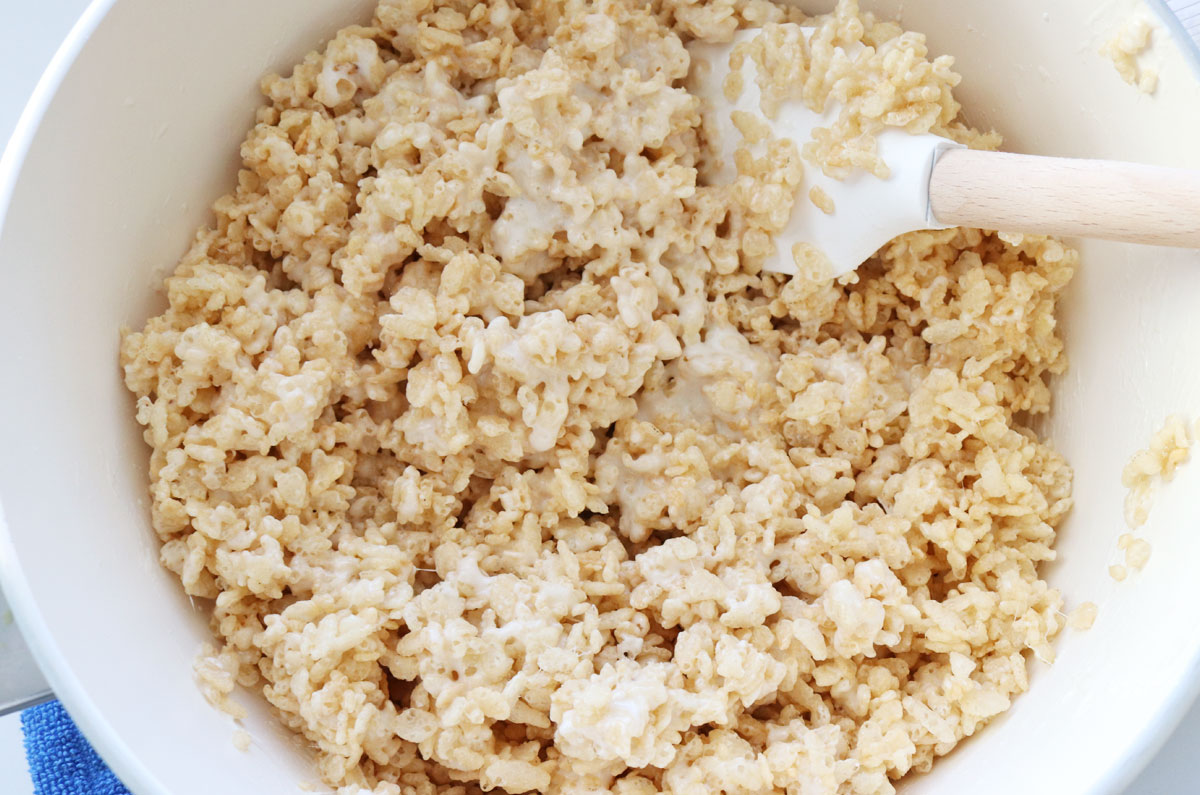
pixel 135 129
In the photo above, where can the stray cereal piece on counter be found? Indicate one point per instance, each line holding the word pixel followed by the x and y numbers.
pixel 506 466
pixel 241 740
pixel 1118 572
pixel 1125 48
pixel 1083 617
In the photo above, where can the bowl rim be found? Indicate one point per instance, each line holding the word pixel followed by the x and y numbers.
pixel 1187 45
pixel 66 686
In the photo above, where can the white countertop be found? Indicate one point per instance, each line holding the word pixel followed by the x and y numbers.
pixel 29 34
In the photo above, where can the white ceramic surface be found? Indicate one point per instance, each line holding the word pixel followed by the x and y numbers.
pixel 28 38
pixel 123 148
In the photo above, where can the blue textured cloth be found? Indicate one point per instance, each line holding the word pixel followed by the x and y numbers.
pixel 60 760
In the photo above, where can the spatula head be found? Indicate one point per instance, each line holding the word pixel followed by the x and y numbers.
pixel 861 212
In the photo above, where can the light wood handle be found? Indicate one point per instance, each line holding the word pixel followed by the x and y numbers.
pixel 1067 197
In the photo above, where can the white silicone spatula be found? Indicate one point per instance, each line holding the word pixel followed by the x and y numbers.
pixel 936 183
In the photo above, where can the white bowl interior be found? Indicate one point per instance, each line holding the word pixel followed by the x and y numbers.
pixel 142 134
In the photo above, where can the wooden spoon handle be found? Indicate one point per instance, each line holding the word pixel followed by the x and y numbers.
pixel 1067 197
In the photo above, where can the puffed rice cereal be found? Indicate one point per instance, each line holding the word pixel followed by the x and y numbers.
pixel 1170 447
pixel 1125 49
pixel 1083 617
pixel 504 465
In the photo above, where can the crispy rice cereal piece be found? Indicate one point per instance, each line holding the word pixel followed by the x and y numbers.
pixel 821 200
pixel 505 466
pixel 1083 617
pixel 1170 447
pixel 1125 48
pixel 1137 554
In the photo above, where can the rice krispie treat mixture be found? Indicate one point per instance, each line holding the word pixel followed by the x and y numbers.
pixel 505 466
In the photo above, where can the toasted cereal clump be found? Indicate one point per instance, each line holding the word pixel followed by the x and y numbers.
pixel 1125 47
pixel 506 466
pixel 1170 447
